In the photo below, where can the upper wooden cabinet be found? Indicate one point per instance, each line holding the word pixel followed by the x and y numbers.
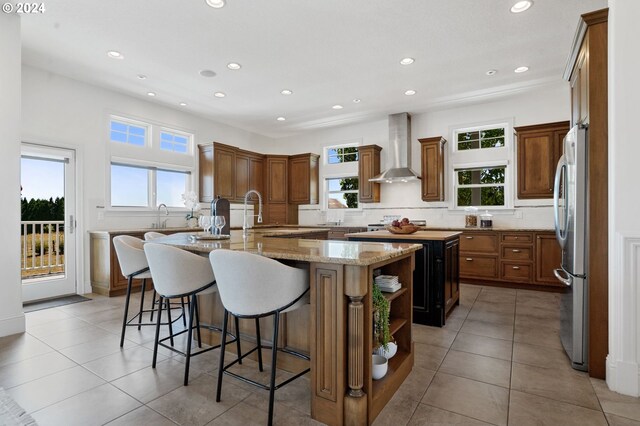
pixel 205 172
pixel 432 155
pixel 276 178
pixel 368 167
pixel 249 174
pixel 303 178
pixel 539 149
pixel 216 171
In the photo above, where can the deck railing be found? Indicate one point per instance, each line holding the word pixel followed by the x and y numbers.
pixel 42 248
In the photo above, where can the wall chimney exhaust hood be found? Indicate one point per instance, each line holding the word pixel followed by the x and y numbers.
pixel 399 156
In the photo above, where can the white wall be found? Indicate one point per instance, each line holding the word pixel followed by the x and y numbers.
pixel 63 112
pixel 11 316
pixel 623 362
pixel 541 105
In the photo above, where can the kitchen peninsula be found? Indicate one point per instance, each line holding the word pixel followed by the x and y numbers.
pixel 337 329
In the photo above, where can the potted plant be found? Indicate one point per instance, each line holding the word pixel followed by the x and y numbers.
pixel 381 308
pixel 190 200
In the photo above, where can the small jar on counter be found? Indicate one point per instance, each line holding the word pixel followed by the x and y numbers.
pixel 470 221
pixel 486 220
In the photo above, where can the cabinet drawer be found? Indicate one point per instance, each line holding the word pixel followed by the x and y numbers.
pixel 517 237
pixel 484 243
pixel 337 235
pixel 478 266
pixel 517 253
pixel 516 271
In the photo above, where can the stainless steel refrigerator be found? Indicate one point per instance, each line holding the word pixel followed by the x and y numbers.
pixel 570 210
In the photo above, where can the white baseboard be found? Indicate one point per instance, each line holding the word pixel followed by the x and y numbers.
pixel 623 377
pixel 12 325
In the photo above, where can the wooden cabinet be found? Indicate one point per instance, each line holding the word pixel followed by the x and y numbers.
pixel 276 178
pixel 249 174
pixel 224 162
pixel 205 172
pixel 521 257
pixel 539 148
pixel 548 258
pixel 432 174
pixel 304 179
pixel 450 274
pixel 338 233
pixel 368 167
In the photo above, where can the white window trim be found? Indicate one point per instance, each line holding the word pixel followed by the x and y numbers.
pixel 147 134
pixel 356 143
pixel 332 171
pixel 508 139
pixel 507 191
pixel 189 136
pixel 325 191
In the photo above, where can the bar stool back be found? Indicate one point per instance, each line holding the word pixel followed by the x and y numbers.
pixel 253 286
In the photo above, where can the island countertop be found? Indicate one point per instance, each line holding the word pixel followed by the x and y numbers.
pixel 416 236
pixel 260 241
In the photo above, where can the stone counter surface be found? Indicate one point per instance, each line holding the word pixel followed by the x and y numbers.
pixel 416 236
pixel 260 241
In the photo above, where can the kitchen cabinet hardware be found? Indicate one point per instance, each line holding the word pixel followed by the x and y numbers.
pixel 515 251
pixel 516 267
pixel 469 238
pixel 469 259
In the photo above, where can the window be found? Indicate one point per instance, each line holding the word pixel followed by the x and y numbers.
pixel 342 192
pixel 483 187
pixel 174 142
pixel 344 154
pixel 170 186
pixel 127 133
pixel 480 138
pixel 129 186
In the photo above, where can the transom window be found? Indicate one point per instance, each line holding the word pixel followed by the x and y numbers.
pixel 484 186
pixel 480 138
pixel 174 142
pixel 342 192
pixel 128 133
pixel 346 154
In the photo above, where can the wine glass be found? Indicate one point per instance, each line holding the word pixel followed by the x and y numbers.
pixel 206 223
pixel 219 222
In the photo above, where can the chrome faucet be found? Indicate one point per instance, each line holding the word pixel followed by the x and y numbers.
pixel 166 213
pixel 245 224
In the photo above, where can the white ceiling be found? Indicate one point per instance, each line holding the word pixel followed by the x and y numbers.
pixel 327 51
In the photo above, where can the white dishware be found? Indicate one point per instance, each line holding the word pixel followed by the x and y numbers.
pixel 219 222
pixel 379 366
pixel 388 353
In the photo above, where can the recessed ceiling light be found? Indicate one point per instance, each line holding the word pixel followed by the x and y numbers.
pixel 280 118
pixel 491 72
pixel 152 94
pixel 286 92
pixel 207 73
pixel 183 104
pixel 142 77
pixel 219 94
pixel 114 54
pixel 521 69
pixel 410 92
pixel 216 4
pixel 356 101
pixel 337 107
pixel 521 6
pixel 234 66
pixel 407 61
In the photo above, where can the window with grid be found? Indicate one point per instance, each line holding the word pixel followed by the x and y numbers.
pixel 480 138
pixel 176 142
pixel 342 192
pixel 480 187
pixel 128 133
pixel 342 154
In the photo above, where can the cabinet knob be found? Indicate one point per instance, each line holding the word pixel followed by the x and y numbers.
pixel 516 238
pixel 515 251
pixel 469 238
pixel 469 259
pixel 515 267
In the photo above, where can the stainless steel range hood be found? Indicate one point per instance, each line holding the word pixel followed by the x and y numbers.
pixel 399 153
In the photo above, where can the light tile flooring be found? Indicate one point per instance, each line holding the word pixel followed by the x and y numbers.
pixel 497 361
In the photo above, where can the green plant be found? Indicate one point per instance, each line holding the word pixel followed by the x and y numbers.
pixel 381 306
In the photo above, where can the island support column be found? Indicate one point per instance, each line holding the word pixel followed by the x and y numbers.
pixel 355 400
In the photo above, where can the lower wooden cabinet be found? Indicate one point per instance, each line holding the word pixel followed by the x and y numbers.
pixel 520 257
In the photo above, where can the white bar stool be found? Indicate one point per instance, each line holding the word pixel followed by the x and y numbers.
pixel 133 265
pixel 252 286
pixel 178 273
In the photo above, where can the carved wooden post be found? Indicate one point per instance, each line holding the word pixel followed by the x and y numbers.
pixel 355 347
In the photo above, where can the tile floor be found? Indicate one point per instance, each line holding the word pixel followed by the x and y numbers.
pixel 497 361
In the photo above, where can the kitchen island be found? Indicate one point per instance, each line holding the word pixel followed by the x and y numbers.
pixel 336 329
pixel 436 278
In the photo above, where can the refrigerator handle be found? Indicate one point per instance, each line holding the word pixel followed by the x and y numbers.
pixel 566 280
pixel 556 200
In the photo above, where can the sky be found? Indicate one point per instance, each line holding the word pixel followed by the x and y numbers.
pixel 42 179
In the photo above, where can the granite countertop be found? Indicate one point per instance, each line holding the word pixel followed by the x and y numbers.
pixel 322 251
pixel 137 230
pixel 495 228
pixel 419 235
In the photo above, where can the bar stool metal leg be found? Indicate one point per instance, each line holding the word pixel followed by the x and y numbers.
pixel 142 290
pixel 223 345
pixel 189 337
pixel 195 302
pixel 259 341
pixel 153 304
pixel 184 317
pixel 155 345
pixel 170 321
pixel 237 324
pixel 272 383
pixel 126 310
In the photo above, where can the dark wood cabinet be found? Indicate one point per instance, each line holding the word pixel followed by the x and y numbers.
pixel 450 274
pixel 368 167
pixel 432 174
pixel 276 178
pixel 224 164
pixel 539 148
pixel 205 172
pixel 249 174
pixel 548 258
pixel 304 178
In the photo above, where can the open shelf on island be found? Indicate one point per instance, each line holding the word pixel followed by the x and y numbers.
pixel 396 324
pixel 395 295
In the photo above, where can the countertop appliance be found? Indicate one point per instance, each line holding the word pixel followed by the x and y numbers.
pixel 570 210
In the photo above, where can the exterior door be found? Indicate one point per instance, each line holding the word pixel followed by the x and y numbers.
pixel 48 224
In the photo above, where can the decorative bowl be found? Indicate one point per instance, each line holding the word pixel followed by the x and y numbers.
pixel 393 348
pixel 379 366
pixel 407 229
